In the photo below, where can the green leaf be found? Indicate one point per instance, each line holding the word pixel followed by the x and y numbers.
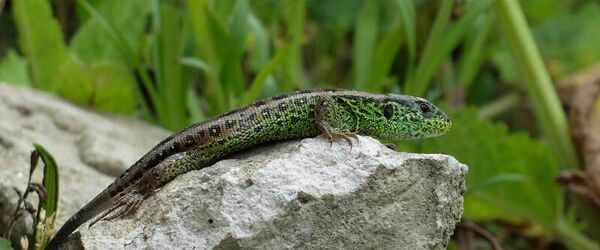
pixel 5 244
pixel 258 83
pixel 194 62
pixel 13 69
pixel 384 57
pixel 103 85
pixel 474 51
pixel 128 53
pixel 259 46
pixel 569 42
pixel 237 27
pixel 537 82
pixel 169 46
pixel 443 39
pixel 511 176
pixel 365 39
pixel 206 40
pixel 194 106
pixel 292 71
pixel 92 42
pixel 41 41
pixel 50 183
pixel 407 14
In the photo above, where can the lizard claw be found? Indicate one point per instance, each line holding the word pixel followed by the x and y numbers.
pixel 347 136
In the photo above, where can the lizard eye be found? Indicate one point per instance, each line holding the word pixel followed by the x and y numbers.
pixel 388 111
pixel 424 108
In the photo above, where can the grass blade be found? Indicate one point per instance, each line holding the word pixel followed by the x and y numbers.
pixel 41 41
pixel 365 38
pixel 194 62
pixel 206 49
pixel 439 25
pixel 193 105
pixel 168 48
pixel 128 53
pixel 292 72
pixel 384 57
pixel 474 53
pixel 258 82
pixel 231 74
pixel 259 55
pixel 537 82
pixel 407 15
pixel 443 45
pixel 50 183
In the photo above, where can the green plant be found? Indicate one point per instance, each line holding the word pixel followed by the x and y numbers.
pixel 47 193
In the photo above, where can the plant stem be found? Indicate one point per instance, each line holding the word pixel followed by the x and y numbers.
pixel 537 82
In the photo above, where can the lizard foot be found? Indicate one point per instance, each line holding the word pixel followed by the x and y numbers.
pixel 347 136
pixel 124 206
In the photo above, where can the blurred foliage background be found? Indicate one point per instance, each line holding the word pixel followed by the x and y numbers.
pixel 519 79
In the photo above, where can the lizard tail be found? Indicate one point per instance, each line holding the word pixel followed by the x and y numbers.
pixel 100 203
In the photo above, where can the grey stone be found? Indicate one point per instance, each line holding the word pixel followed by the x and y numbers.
pixel 301 194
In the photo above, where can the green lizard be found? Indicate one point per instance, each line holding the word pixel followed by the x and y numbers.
pixel 335 113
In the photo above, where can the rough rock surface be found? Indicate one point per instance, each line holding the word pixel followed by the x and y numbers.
pixel 302 194
pixel 90 148
pixel 299 194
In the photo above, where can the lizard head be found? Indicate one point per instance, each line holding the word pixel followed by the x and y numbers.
pixel 400 117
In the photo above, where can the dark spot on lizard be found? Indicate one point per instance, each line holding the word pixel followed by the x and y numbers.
pixel 230 123
pixel 259 103
pixel 279 97
pixel 312 106
pixel 300 101
pixel 138 175
pixel 189 140
pixel 175 146
pixel 258 128
pixel 221 142
pixel 331 90
pixel 266 112
pixel 282 106
pixel 295 119
pixel 214 130
pixel 244 123
pixel 155 159
pixel 251 116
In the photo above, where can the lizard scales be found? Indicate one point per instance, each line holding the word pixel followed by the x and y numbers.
pixel 337 113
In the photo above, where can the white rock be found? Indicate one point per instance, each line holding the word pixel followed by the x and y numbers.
pixel 298 195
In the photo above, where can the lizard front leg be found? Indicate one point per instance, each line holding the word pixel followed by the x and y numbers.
pixel 324 113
